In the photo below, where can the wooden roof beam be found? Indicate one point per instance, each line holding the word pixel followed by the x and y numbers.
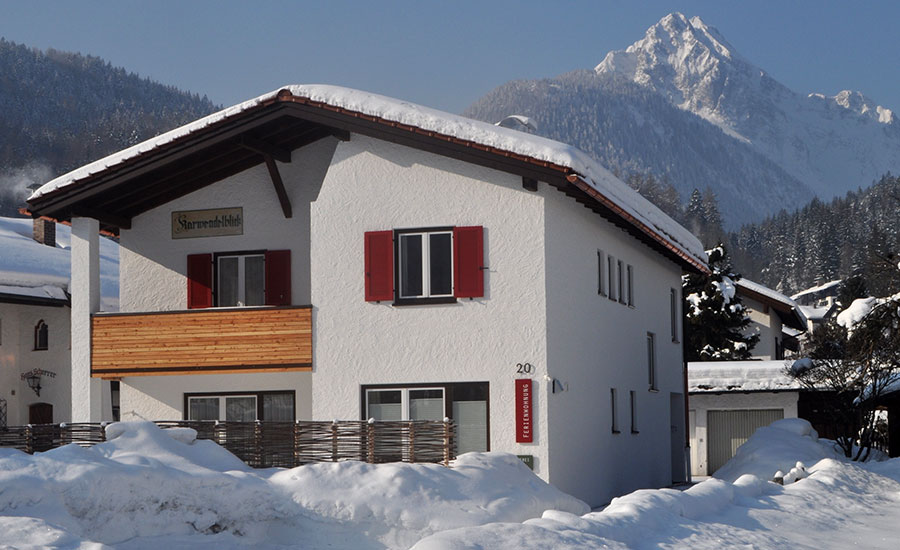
pixel 265 149
pixel 105 218
pixel 279 186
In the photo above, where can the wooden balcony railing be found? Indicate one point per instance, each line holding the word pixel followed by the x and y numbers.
pixel 205 341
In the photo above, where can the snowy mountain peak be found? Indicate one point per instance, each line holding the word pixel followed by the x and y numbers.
pixel 858 103
pixel 685 59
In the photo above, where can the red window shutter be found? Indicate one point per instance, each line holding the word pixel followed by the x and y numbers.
pixel 379 265
pixel 468 261
pixel 199 281
pixel 278 278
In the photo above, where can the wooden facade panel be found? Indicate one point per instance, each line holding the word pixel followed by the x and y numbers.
pixel 208 341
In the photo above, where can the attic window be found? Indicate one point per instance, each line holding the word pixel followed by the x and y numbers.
pixel 40 336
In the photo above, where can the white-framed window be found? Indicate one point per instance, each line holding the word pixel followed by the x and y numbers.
pixel 405 404
pixel 613 399
pixel 240 279
pixel 425 264
pixel 651 361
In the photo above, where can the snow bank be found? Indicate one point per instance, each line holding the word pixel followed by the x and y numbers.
pixel 151 488
pixel 777 447
pixel 667 515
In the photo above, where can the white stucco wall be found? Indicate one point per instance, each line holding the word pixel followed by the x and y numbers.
pixel 153 265
pixel 153 269
pixel 162 397
pixel 702 403
pixel 17 355
pixel 765 322
pixel 595 344
pixel 374 185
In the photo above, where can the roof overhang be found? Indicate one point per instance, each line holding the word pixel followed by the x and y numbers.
pixel 150 178
pixel 790 315
pixel 24 299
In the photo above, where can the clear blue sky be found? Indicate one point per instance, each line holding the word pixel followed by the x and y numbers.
pixel 447 54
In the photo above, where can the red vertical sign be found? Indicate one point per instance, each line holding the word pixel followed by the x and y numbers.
pixel 524 432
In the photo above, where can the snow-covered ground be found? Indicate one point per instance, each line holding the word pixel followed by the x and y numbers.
pixel 147 488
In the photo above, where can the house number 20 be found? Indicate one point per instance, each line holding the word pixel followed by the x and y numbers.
pixel 524 368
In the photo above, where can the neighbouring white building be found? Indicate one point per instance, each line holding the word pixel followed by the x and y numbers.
pixel 34 320
pixel 729 400
pixel 325 253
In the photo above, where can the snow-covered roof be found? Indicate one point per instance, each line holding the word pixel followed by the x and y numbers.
pixel 450 126
pixel 29 269
pixel 831 285
pixel 776 299
pixel 814 313
pixel 724 376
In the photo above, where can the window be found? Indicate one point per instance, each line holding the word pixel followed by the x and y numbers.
pixel 228 279
pixel 601 270
pixel 630 282
pixel 621 281
pixel 424 266
pixel 651 360
pixel 615 410
pixel 673 309
pixel 465 402
pixel 633 395
pixel 611 276
pixel 40 336
pixel 240 280
pixel 241 407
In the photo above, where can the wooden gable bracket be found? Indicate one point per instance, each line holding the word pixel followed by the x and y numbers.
pixel 529 184
pixel 279 186
pixel 270 153
pixel 342 135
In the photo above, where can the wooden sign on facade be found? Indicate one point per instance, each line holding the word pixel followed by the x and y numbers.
pixel 217 222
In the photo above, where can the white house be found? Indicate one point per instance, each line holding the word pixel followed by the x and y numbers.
pixel 325 253
pixel 34 320
pixel 729 400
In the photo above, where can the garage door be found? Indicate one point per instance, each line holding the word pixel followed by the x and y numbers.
pixel 728 430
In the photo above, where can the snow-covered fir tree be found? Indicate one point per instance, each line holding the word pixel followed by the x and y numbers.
pixel 715 318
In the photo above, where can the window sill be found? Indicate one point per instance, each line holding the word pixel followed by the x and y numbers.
pixel 634 432
pixel 653 390
pixel 616 432
pixel 424 301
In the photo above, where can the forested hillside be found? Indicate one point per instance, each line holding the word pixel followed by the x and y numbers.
pixel 60 110
pixel 855 234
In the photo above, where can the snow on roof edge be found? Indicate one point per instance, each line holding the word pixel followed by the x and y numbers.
pixel 426 118
pixel 773 294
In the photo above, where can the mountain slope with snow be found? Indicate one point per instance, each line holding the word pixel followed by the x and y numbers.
pixel 683 104
pixel 831 143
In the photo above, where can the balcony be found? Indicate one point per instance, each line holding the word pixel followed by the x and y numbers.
pixel 203 341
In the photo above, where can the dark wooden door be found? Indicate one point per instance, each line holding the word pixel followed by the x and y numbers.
pixel 40 413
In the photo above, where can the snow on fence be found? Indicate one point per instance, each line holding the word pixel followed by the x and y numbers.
pixel 267 444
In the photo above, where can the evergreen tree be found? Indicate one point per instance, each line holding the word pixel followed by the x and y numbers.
pixel 715 319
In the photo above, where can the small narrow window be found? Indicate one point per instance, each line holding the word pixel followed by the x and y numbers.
pixel 621 276
pixel 601 269
pixel 40 335
pixel 673 309
pixel 611 276
pixel 630 286
pixel 651 360
pixel 633 395
pixel 615 411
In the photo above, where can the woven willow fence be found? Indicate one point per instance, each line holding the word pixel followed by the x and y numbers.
pixel 285 444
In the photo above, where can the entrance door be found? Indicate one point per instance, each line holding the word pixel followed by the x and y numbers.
pixel 728 430
pixel 678 442
pixel 40 413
